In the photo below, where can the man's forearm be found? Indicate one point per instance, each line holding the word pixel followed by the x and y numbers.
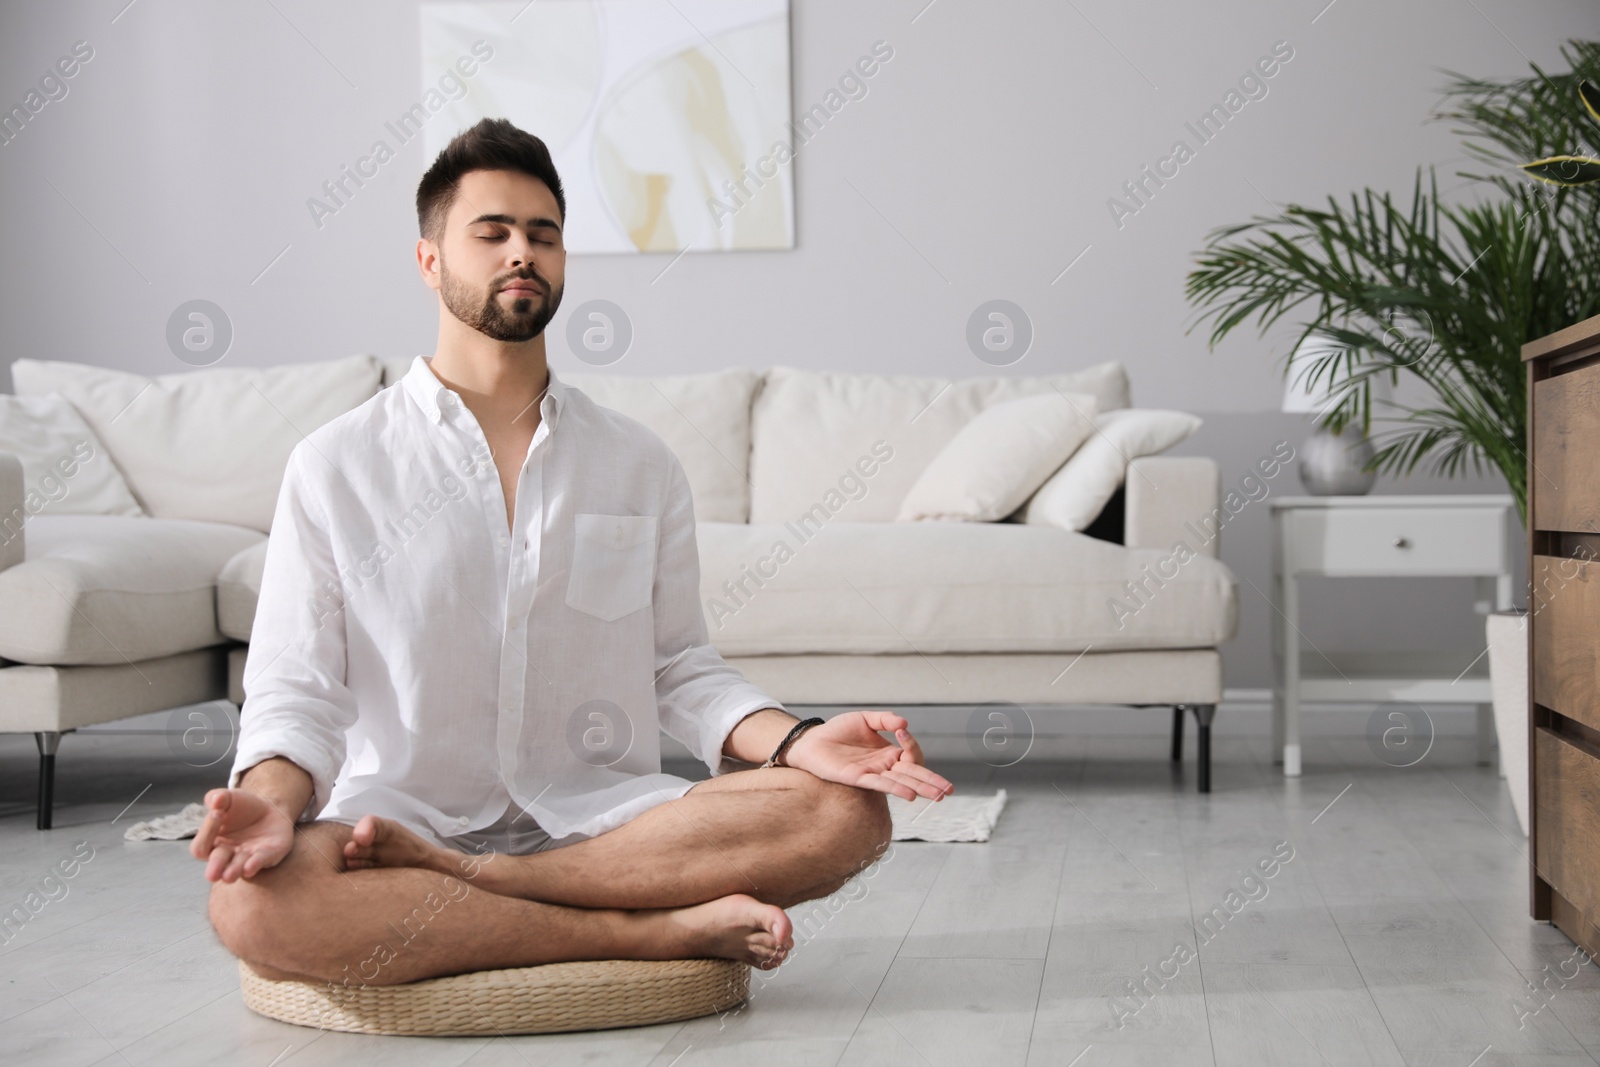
pixel 757 734
pixel 282 782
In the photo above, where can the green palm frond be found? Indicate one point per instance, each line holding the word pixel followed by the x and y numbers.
pixel 1446 293
pixel 1504 123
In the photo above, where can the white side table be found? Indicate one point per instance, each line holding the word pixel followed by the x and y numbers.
pixel 1383 536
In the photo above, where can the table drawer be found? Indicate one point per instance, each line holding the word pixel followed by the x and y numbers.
pixel 1565 655
pixel 1566 425
pixel 1566 784
pixel 1355 541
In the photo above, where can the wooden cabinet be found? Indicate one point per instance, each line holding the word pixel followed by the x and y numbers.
pixel 1564 638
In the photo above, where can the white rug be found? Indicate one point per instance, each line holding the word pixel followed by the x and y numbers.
pixel 185 823
pixel 955 818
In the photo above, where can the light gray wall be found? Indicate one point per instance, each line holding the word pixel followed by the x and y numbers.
pixel 978 166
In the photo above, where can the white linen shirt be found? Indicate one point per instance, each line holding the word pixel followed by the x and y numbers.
pixel 423 661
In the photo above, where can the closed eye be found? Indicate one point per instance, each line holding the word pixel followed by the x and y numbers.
pixel 502 237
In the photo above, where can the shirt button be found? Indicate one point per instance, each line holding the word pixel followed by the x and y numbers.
pixel 462 822
pixel 504 540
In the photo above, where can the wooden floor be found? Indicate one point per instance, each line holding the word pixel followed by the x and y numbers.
pixel 1396 934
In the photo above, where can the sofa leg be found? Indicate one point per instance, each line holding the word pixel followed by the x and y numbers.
pixel 1177 732
pixel 48 740
pixel 1203 714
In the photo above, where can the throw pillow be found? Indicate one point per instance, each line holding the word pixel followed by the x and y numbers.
pixel 65 468
pixel 809 429
pixel 997 460
pixel 208 444
pixel 1077 493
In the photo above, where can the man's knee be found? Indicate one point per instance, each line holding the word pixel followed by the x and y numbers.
pixel 241 913
pixel 254 917
pixel 857 822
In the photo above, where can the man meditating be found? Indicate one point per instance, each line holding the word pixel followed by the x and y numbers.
pixel 480 603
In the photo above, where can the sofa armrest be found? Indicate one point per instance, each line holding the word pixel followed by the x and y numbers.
pixel 13 513
pixel 1172 499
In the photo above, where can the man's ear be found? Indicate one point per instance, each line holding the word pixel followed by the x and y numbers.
pixel 428 262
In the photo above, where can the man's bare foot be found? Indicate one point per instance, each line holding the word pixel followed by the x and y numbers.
pixel 377 842
pixel 735 927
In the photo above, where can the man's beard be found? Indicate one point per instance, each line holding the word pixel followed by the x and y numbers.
pixel 525 320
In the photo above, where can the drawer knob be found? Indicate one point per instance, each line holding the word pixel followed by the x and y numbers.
pixel 1402 542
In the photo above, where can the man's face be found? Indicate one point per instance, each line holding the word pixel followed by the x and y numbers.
pixel 501 266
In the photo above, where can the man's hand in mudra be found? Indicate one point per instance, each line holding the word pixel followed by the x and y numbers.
pixel 242 835
pixel 848 749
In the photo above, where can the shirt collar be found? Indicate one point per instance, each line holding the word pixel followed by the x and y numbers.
pixel 438 402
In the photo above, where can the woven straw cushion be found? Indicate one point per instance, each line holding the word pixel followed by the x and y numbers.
pixel 519 1000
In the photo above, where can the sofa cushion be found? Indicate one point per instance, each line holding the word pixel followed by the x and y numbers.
pixel 106 589
pixel 809 429
pixel 238 589
pixel 940 587
pixel 66 468
pixel 395 369
pixel 998 459
pixel 206 444
pixel 1077 493
pixel 869 588
pixel 703 418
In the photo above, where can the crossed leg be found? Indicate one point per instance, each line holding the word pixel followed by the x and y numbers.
pixel 309 918
pixel 777 834
pixel 321 915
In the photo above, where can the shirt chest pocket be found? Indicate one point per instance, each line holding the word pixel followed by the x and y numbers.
pixel 613 564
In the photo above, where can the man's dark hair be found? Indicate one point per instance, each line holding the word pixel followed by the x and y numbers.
pixel 493 144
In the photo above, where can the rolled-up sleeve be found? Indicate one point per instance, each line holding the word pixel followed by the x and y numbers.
pixel 699 697
pixel 297 704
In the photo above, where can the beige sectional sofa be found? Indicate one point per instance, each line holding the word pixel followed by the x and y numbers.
pixel 810 586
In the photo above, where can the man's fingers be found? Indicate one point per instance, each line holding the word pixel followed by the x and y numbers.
pixel 217 862
pixel 910 744
pixel 200 847
pixel 216 859
pixel 911 767
pixel 923 787
pixel 211 825
pixel 206 838
pixel 883 783
pixel 928 783
pixel 882 720
pixel 247 862
pixel 926 774
pixel 242 859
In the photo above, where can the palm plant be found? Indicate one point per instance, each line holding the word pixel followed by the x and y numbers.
pixel 1446 292
pixel 1571 170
